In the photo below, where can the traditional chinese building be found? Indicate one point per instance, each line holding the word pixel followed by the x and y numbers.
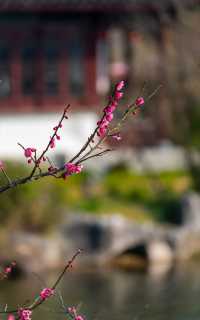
pixel 58 51
pixel 54 52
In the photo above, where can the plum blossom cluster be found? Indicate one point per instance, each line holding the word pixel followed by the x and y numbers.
pixel 29 153
pixel 46 293
pixel 109 109
pixel 55 137
pixel 73 313
pixel 117 136
pixel 24 314
pixel 139 101
pixel 72 168
pixel 7 270
pixel 10 267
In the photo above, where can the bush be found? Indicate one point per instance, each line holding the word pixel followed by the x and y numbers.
pixel 40 206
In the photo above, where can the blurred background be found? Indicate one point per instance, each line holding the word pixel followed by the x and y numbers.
pixel 136 211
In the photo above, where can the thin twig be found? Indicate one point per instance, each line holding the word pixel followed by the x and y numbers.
pixel 94 155
pixel 38 301
pixel 50 141
pixel 6 176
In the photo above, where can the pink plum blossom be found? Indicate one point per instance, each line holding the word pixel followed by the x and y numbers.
pixel 52 143
pixel 28 152
pixel 102 131
pixel 120 85
pixel 139 101
pixel 109 109
pixel 72 168
pixel 46 293
pixel 72 310
pixel 118 95
pixel 7 270
pixel 117 136
pixel 73 313
pixel 24 314
pixel 109 117
pixel 79 317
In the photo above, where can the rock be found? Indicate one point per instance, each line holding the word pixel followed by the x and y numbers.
pixel 116 238
pixel 190 204
pixel 159 252
pixel 92 234
pixel 187 244
pixel 36 253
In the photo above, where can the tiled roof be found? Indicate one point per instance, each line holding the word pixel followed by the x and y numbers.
pixel 77 5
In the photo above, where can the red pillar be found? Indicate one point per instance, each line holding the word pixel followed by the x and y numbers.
pixel 16 75
pixel 63 78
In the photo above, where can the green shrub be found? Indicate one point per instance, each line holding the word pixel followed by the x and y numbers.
pixel 128 186
pixel 40 205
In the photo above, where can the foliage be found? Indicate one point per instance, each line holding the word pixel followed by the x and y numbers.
pixel 40 205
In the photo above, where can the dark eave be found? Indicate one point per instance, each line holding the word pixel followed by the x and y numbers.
pixel 91 5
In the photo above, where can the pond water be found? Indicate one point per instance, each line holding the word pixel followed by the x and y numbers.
pixel 115 295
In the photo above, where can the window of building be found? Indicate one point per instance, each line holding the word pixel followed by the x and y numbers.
pixel 102 66
pixel 51 69
pixel 28 69
pixel 117 52
pixel 76 54
pixel 5 76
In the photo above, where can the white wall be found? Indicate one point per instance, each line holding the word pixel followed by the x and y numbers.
pixel 34 130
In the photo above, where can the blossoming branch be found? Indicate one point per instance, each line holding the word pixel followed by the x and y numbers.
pixel 94 146
pixel 25 311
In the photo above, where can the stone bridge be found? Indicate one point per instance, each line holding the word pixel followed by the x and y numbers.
pixel 107 238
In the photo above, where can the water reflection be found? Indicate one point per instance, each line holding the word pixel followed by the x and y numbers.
pixel 117 295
